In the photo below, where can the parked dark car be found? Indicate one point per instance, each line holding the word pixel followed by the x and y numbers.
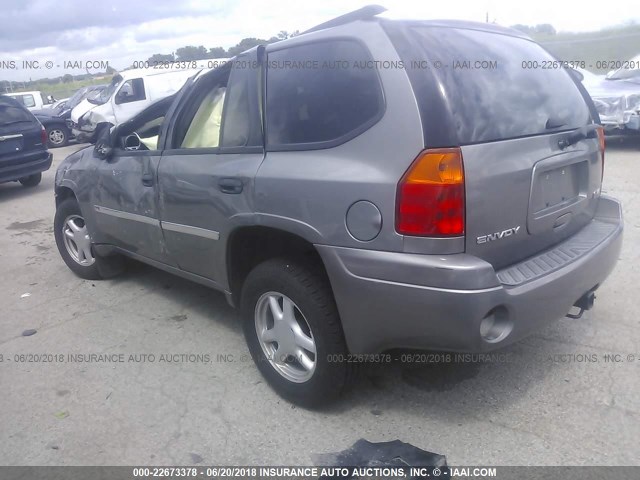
pixel 55 119
pixel 23 144
pixel 349 211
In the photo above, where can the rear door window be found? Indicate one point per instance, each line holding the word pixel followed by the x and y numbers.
pixel 498 86
pixel 320 94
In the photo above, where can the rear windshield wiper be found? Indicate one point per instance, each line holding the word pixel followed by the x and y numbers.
pixel 588 131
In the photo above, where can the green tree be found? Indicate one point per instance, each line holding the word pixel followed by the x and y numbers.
pixel 217 52
pixel 67 78
pixel 188 53
pixel 160 58
pixel 245 44
pixel 545 29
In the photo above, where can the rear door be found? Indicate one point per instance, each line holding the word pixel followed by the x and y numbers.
pixel 510 107
pixel 206 176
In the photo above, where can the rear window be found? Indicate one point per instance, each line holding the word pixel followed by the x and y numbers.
pixel 10 114
pixel 499 87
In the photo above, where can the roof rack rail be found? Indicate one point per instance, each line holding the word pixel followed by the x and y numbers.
pixel 363 13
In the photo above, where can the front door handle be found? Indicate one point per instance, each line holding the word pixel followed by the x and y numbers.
pixel 147 180
pixel 230 185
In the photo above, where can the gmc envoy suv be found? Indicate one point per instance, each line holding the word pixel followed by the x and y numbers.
pixel 370 184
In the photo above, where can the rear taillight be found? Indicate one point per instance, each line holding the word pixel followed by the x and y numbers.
pixel 430 198
pixel 43 136
pixel 600 132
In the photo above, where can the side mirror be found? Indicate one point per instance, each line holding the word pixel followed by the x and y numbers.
pixel 132 143
pixel 104 145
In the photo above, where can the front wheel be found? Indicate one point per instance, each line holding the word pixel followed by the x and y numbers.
pixel 294 333
pixel 75 246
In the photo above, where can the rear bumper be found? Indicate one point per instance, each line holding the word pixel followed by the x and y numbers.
pixel 397 300
pixel 25 166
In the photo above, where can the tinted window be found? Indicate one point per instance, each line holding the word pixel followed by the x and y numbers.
pixel 496 87
pixel 318 93
pixel 13 114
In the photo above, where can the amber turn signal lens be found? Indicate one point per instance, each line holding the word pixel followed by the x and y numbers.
pixel 430 199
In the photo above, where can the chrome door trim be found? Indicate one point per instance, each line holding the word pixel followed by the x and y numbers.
pixel 126 215
pixel 189 230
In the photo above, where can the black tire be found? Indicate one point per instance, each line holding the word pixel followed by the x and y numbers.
pixel 63 136
pixel 311 293
pixel 102 267
pixel 31 180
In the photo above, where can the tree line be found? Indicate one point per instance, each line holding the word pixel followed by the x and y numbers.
pixel 190 52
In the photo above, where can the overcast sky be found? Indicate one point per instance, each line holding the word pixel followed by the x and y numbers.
pixel 121 31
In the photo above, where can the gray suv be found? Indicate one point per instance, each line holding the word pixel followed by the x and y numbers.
pixel 368 185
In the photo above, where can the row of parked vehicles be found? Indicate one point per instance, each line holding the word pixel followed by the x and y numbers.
pixel 95 108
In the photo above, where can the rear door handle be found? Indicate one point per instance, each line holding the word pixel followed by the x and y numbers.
pixel 147 180
pixel 230 185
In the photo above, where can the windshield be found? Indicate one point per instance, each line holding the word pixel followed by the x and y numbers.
pixel 105 94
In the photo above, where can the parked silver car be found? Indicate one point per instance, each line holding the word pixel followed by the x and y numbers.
pixel 617 99
pixel 352 191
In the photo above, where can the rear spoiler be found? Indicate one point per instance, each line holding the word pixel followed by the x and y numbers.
pixel 364 13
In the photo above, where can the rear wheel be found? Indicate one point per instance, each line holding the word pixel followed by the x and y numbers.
pixel 75 246
pixel 294 333
pixel 57 136
pixel 31 180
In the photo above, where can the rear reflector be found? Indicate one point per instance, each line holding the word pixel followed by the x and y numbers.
pixel 430 199
pixel 600 132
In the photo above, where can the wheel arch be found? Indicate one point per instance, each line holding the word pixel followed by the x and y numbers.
pixel 249 245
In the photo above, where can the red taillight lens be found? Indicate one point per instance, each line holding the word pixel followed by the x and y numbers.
pixel 430 199
pixel 43 136
pixel 600 132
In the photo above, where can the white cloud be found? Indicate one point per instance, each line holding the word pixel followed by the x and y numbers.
pixel 224 23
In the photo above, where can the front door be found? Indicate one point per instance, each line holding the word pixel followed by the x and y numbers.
pixel 125 196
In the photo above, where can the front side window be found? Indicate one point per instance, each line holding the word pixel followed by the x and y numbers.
pixel 321 93
pixel 131 91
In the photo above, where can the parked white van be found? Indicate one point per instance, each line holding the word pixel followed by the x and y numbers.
pixel 32 100
pixel 130 92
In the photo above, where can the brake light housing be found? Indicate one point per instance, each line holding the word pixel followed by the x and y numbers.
pixel 430 200
pixel 43 136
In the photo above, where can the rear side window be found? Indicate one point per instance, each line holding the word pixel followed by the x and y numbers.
pixel 320 95
pixel 499 87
